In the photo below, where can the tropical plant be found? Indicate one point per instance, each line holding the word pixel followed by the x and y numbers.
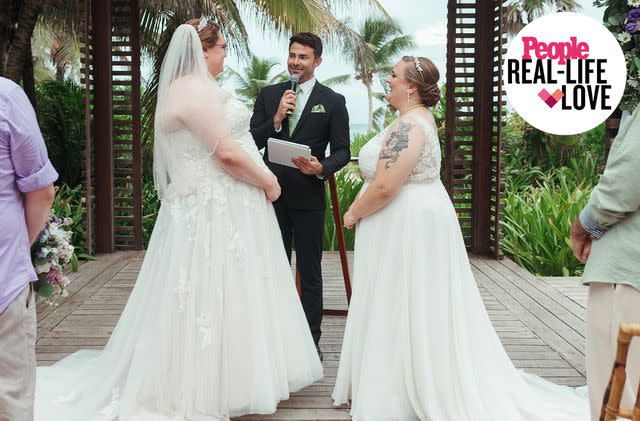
pixel 255 76
pixel 537 222
pixel 159 19
pixel 622 18
pixel 61 122
pixel 359 140
pixel 348 185
pixel 150 210
pixel 518 13
pixel 56 52
pixel 69 203
pixel 386 41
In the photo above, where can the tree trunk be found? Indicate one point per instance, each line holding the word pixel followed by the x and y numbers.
pixel 21 40
pixel 367 83
pixel 28 80
pixel 5 31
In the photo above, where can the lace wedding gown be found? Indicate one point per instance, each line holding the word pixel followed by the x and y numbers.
pixel 214 327
pixel 418 342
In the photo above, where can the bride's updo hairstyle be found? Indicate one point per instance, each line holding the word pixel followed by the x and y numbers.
pixel 209 33
pixel 425 75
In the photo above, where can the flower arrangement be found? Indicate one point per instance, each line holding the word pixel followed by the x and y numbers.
pixel 622 18
pixel 52 255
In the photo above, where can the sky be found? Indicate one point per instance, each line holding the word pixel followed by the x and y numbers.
pixel 425 20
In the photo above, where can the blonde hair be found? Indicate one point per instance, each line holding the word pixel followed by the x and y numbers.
pixel 209 35
pixel 425 75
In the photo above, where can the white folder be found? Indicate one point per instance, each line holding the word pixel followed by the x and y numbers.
pixel 281 151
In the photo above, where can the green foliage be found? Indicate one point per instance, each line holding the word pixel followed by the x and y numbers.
pixel 536 226
pixel 255 76
pixel 616 15
pixel 150 209
pixel 359 140
pixel 69 203
pixel 548 181
pixel 61 122
pixel 348 185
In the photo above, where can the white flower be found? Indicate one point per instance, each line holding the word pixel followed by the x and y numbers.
pixel 624 37
pixel 634 3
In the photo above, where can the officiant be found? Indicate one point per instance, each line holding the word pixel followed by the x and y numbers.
pixel 316 116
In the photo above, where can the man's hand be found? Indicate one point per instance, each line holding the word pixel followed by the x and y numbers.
pixel 287 102
pixel 309 166
pixel 580 240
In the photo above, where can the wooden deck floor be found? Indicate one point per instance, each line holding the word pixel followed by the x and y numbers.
pixel 540 323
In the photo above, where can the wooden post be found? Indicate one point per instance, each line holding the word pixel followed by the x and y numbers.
pixel 102 126
pixel 337 219
pixel 344 261
pixel 483 106
pixel 88 132
pixel 136 123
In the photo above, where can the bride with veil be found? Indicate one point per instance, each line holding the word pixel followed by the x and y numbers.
pixel 214 327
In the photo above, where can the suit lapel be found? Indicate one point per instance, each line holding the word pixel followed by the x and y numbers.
pixel 316 94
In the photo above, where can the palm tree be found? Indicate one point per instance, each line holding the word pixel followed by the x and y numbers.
pixel 160 17
pixel 256 75
pixel 385 41
pixel 518 13
pixel 283 17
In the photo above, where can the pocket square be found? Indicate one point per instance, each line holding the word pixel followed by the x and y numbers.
pixel 318 109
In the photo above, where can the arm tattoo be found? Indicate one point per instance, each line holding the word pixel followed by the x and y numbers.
pixel 396 142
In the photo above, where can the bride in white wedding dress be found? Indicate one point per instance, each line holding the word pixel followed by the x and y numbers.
pixel 419 344
pixel 214 327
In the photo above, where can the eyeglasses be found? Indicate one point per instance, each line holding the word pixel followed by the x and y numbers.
pixel 223 46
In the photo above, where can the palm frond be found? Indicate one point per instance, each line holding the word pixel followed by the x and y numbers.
pixel 337 80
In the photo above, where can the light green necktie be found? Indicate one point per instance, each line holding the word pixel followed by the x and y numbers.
pixel 293 119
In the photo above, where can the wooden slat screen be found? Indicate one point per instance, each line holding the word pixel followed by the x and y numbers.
pixel 474 118
pixel 125 59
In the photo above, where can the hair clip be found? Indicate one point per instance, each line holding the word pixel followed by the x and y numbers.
pixel 203 23
pixel 417 63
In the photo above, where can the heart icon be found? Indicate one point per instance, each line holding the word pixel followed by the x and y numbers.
pixel 550 99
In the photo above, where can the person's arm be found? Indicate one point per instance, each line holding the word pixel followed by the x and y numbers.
pixel 263 125
pixel 340 151
pixel 616 195
pixel 399 155
pixel 204 117
pixel 37 205
pixel 33 170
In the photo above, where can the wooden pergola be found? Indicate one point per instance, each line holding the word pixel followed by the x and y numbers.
pixel 113 176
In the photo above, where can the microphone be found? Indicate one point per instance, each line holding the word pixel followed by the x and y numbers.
pixel 294 85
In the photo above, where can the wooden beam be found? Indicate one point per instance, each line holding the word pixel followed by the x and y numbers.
pixel 483 105
pixel 136 120
pixel 450 98
pixel 102 125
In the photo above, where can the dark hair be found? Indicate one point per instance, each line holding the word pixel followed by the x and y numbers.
pixel 310 40
pixel 209 35
pixel 426 80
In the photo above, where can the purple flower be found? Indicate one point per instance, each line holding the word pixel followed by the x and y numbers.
pixel 634 15
pixel 631 28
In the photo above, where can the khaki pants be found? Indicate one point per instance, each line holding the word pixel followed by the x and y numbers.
pixel 18 358
pixel 608 306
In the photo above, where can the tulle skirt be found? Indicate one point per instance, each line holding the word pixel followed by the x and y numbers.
pixel 213 328
pixel 419 344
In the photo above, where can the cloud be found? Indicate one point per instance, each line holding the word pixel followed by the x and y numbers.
pixel 433 35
